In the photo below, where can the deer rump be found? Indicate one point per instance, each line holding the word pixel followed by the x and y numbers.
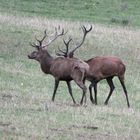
pixel 69 68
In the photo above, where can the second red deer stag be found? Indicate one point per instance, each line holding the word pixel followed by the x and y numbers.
pixel 101 68
pixel 106 68
pixel 62 69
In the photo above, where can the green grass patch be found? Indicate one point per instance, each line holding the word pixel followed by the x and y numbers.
pixel 98 11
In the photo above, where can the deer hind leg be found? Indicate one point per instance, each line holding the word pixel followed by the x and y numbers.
pixel 93 84
pixel 78 77
pixel 83 87
pixel 70 91
pixel 90 91
pixel 112 87
pixel 121 78
pixel 55 88
pixel 84 79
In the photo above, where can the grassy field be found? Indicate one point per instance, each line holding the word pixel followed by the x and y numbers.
pixel 120 12
pixel 25 90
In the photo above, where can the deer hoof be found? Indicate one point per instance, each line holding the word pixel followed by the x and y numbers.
pixel 105 103
pixel 93 102
pixel 85 105
pixel 76 104
pixel 81 103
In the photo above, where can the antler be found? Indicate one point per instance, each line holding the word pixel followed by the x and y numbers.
pixel 85 31
pixel 56 35
pixel 39 41
pixel 66 51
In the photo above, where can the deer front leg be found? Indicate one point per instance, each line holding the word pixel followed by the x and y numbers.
pixel 55 88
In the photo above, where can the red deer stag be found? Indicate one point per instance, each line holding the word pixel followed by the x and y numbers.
pixel 101 68
pixel 62 69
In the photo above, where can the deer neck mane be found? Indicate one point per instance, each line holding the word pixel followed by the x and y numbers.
pixel 46 62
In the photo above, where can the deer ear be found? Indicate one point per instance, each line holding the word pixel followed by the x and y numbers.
pixel 71 54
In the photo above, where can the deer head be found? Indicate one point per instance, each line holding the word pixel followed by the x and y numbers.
pixel 66 52
pixel 41 50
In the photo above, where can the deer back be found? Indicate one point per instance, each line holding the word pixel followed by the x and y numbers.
pixel 103 67
pixel 64 68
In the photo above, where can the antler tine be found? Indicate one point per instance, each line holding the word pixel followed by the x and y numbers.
pixel 34 45
pixel 64 52
pixel 85 30
pixel 61 33
pixel 60 54
pixel 67 43
pixel 45 35
pixel 61 50
pixel 55 31
pixel 70 39
pixel 40 41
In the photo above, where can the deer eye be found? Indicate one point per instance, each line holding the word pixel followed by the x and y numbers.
pixel 34 53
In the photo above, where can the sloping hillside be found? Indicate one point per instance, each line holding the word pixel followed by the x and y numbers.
pixel 119 12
